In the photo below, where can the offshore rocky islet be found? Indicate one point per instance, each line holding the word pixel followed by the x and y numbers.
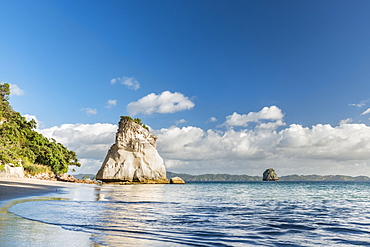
pixel 270 175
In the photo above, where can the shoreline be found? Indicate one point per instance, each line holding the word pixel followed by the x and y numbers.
pixel 17 188
pixel 18 231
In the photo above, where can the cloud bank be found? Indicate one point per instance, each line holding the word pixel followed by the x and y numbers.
pixel 295 149
pixel 166 102
pixel 321 149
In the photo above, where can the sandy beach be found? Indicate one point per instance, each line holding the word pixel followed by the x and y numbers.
pixel 17 231
pixel 12 188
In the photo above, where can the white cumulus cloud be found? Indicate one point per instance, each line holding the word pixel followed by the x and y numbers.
pixel 166 102
pixel 111 103
pixel 180 121
pixel 89 111
pixel 15 90
pixel 267 113
pixel 130 82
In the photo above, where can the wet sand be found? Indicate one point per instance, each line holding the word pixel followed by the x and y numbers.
pixel 12 188
pixel 17 231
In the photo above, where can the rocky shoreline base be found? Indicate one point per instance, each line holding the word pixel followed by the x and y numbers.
pixel 62 178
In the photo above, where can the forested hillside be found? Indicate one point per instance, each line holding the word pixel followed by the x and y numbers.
pixel 20 143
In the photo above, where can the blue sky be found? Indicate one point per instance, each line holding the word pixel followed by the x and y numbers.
pixel 189 68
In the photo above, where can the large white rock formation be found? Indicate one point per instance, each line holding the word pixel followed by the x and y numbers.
pixel 133 157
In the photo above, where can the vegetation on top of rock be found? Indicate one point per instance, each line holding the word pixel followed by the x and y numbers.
pixel 135 120
pixel 20 143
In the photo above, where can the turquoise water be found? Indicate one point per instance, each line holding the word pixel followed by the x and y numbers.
pixel 215 214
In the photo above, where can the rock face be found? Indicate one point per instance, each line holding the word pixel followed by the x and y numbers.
pixel 10 171
pixel 270 175
pixel 176 180
pixel 133 157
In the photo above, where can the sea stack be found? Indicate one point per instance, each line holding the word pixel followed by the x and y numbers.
pixel 270 175
pixel 133 158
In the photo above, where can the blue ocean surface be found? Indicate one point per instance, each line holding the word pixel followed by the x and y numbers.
pixel 214 214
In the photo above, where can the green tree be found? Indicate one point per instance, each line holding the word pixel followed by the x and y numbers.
pixel 4 91
pixel 19 140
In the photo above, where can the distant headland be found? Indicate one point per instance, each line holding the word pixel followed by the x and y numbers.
pixel 247 178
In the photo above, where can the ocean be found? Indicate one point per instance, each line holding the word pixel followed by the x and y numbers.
pixel 212 214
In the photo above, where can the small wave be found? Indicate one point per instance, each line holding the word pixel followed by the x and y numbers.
pixel 351 242
pixel 346 230
pixel 293 226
